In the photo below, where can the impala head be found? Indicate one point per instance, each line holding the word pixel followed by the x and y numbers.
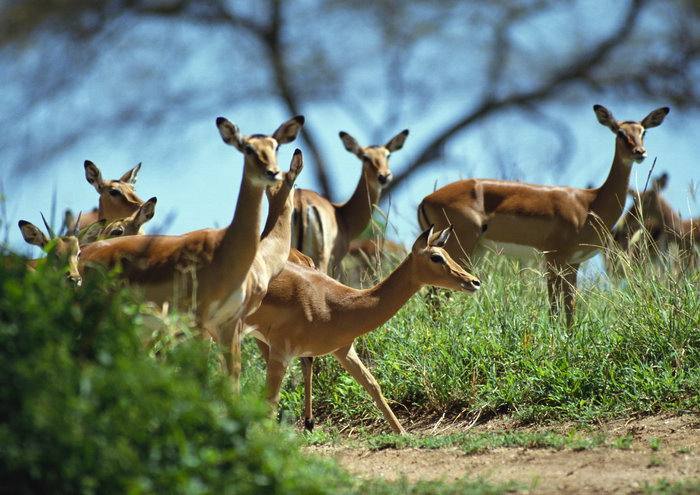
pixel 375 158
pixel 260 150
pixel 630 134
pixel 132 224
pixel 62 251
pixel 117 197
pixel 432 265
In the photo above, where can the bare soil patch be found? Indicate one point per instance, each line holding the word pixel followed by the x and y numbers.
pixel 604 469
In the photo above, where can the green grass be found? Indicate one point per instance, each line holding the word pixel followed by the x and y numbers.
pixel 461 487
pixel 634 349
pixel 664 487
pixel 475 442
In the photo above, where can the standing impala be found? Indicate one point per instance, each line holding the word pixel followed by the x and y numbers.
pixel 323 230
pixel 117 198
pixel 565 223
pixel 206 268
pixel 306 313
pixel 652 213
pixel 272 254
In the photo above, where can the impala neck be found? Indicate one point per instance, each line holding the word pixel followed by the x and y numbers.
pixel 275 239
pixel 237 249
pixel 612 195
pixel 367 309
pixel 356 213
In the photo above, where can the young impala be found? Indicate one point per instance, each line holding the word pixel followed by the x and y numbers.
pixel 307 313
pixel 206 268
pixel 323 230
pixel 565 223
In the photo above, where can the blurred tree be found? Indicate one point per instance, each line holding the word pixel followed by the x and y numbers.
pixel 382 62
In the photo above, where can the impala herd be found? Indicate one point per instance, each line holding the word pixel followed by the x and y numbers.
pixel 277 286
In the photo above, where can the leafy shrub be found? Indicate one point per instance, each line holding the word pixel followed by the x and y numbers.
pixel 83 409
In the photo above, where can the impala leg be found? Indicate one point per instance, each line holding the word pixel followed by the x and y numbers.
pixel 555 284
pixel 569 287
pixel 307 368
pixel 349 360
pixel 276 368
pixel 264 350
pixel 231 343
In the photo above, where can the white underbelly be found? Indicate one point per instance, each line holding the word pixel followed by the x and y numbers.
pixel 222 311
pixel 582 255
pixel 525 253
pixel 253 331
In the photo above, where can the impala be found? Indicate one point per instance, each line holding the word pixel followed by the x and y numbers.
pixel 131 225
pixel 567 224
pixel 323 230
pixel 306 313
pixel 272 254
pixel 650 212
pixel 117 198
pixel 62 251
pixel 206 268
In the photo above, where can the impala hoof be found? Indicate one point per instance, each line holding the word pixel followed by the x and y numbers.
pixel 309 424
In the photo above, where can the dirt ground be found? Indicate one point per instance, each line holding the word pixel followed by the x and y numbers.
pixel 603 469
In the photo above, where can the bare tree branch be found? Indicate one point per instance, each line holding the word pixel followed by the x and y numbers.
pixel 577 71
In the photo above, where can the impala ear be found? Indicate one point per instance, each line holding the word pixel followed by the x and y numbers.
pixel 287 132
pixel 605 117
pixel 93 175
pixel 32 234
pixel 655 118
pixel 230 133
pixel 443 237
pixel 660 183
pixel 146 211
pixel 350 143
pixel 130 176
pixel 423 240
pixel 295 167
pixel 396 143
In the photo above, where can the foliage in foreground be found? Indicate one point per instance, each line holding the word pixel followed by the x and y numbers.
pixel 634 348
pixel 83 409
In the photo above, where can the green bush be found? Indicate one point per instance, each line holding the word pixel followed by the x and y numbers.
pixel 83 409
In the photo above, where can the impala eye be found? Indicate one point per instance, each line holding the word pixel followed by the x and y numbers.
pixel 436 258
pixel 117 232
pixel 115 192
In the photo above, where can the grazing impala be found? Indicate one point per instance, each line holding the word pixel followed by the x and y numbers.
pixel 65 250
pixel 652 213
pixel 117 197
pixel 307 313
pixel 323 230
pixel 206 268
pixel 565 223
